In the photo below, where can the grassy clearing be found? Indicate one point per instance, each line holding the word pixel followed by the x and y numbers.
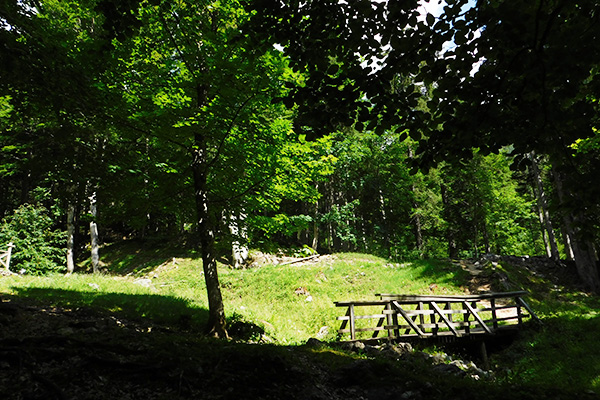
pixel 167 287
pixel 151 283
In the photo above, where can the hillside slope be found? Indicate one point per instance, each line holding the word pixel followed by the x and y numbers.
pixel 137 334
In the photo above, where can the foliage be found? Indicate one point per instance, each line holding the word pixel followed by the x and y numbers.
pixel 39 248
pixel 484 209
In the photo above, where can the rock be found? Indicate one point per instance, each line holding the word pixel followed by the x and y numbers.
pixel 372 350
pixel 450 369
pixel 439 358
pixel 354 346
pixel 145 282
pixel 421 355
pixel 323 332
pixel 411 395
pixel 396 351
pixel 65 331
pixel 315 343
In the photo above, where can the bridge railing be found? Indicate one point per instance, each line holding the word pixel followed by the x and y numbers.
pixel 406 316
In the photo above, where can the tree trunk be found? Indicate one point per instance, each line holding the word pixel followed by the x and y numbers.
pixel 70 238
pixel 544 230
pixel 239 249
pixel 94 242
pixel 543 205
pixel 315 240
pixel 330 225
pixel 416 215
pixel 450 234
pixel 583 251
pixel 486 238
pixel 567 243
pixel 216 326
pixel 384 224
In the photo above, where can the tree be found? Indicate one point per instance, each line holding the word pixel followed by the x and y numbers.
pixel 508 79
pixel 38 245
pixel 57 132
pixel 194 83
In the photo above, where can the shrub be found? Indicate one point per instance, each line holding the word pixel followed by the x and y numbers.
pixel 38 248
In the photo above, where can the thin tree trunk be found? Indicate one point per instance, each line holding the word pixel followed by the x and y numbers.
pixel 70 238
pixel 486 238
pixel 94 242
pixel 450 236
pixel 239 249
pixel 543 205
pixel 384 223
pixel 544 230
pixel 315 214
pixel 567 244
pixel 330 226
pixel 416 217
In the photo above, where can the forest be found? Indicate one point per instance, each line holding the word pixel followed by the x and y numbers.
pixel 321 126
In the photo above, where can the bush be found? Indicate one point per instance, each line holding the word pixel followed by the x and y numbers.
pixel 38 248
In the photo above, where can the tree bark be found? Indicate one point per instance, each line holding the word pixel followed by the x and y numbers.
pixel 567 243
pixel 315 217
pixel 239 249
pixel 450 234
pixel 583 251
pixel 543 206
pixel 416 215
pixel 70 238
pixel 217 326
pixel 544 230
pixel 94 242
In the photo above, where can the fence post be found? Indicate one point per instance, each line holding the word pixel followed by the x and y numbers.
pixel 494 317
pixel 352 328
pixel 519 312
pixel 466 318
pixel 7 255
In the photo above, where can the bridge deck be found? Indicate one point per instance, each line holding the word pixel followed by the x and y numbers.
pixel 407 317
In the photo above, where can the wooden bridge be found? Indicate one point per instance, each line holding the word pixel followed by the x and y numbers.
pixel 417 317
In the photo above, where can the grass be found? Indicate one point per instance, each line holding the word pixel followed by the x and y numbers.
pixel 167 286
pixel 564 351
pixel 173 288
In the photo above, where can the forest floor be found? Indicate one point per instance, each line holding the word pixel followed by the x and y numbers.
pixel 58 353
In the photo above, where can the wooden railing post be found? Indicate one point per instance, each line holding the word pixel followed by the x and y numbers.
pixel 494 317
pixel 450 315
pixel 352 322
pixel 422 314
pixel 433 319
pixel 390 319
pixel 466 318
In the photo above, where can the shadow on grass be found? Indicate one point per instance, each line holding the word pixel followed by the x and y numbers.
pixel 167 310
pixel 442 272
pixel 137 257
pixel 563 353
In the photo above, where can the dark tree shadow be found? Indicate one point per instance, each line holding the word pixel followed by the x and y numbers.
pixel 160 309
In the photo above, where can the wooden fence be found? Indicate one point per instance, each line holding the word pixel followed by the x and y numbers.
pixel 406 316
pixel 5 257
